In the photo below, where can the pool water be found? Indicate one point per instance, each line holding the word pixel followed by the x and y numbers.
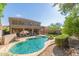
pixel 29 46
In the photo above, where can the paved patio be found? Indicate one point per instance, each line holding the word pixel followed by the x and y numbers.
pixel 52 50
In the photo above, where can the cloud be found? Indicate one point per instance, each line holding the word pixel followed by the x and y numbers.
pixel 18 15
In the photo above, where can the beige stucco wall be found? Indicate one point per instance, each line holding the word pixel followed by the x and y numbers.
pixel 8 38
pixel 0 33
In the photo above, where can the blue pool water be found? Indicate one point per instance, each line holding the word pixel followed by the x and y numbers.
pixel 29 46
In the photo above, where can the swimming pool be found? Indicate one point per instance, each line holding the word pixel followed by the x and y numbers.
pixel 29 46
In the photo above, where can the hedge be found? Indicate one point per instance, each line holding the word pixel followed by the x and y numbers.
pixel 59 40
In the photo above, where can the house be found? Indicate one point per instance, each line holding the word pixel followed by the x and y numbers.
pixel 20 24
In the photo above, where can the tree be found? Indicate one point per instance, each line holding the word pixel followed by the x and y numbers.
pixel 2 6
pixel 68 26
pixel 54 27
pixel 71 24
pixel 66 8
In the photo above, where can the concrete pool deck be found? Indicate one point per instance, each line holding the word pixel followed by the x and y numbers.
pixel 6 48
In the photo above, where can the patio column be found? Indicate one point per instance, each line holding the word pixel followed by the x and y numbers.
pixel 23 29
pixel 10 30
pixel 32 31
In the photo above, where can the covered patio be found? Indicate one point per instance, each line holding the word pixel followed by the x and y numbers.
pixel 33 30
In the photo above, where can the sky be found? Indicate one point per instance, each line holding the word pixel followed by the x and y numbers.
pixel 41 12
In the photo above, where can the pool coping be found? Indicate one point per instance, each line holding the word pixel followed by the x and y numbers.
pixel 6 49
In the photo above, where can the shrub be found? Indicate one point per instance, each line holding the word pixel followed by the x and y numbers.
pixel 6 30
pixel 71 26
pixel 50 36
pixel 59 40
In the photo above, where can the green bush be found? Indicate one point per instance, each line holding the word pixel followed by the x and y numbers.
pixel 50 36
pixel 71 26
pixel 59 40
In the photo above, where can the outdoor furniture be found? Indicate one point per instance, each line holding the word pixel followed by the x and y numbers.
pixel 24 33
